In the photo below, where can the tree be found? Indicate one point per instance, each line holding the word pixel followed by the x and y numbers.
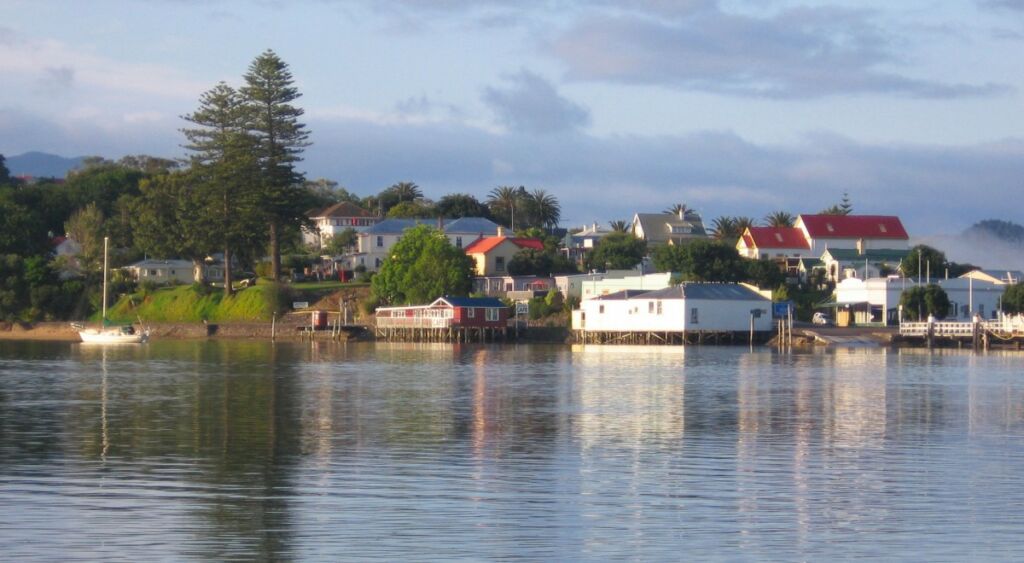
pixel 779 219
pixel 423 266
pixel 922 301
pixel 86 227
pixel 701 260
pixel 764 273
pixel 454 206
pixel 1013 298
pixel 5 174
pixel 678 209
pixel 741 224
pixel 542 209
pixel 924 260
pixel 280 139
pixel 503 202
pixel 411 210
pixel 342 242
pixel 226 171
pixel 531 262
pixel 619 226
pixel 406 191
pixel 724 228
pixel 323 193
pixel 844 207
pixel 618 251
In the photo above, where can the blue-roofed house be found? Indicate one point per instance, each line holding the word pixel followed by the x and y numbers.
pixel 375 242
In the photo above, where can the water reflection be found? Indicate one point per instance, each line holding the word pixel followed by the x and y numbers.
pixel 246 450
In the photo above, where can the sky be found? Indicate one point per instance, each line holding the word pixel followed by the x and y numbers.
pixel 913 108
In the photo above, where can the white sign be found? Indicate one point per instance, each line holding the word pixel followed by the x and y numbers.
pixel 300 304
pixel 522 308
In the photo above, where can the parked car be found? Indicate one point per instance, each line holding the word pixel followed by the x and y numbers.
pixel 821 319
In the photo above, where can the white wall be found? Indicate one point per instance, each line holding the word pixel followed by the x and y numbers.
pixel 641 315
pixel 596 288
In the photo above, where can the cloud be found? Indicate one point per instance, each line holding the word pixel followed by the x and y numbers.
pixel 56 80
pixel 1003 4
pixel 797 53
pixel 530 104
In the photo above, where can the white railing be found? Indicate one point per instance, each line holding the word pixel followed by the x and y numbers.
pixel 414 322
pixel 1008 326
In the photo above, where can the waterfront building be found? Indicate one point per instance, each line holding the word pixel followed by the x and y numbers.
pixel 589 289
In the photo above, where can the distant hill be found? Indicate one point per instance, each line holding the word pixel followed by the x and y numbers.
pixel 41 165
pixel 1006 231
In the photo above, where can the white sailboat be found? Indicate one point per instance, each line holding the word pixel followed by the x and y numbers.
pixel 110 335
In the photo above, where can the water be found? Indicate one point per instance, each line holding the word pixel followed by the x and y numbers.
pixel 251 451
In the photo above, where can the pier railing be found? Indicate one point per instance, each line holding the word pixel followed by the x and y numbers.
pixel 1008 326
pixel 414 322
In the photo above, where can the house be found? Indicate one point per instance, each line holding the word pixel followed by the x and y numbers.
pixel 842 263
pixel 502 286
pixel 687 307
pixel 335 219
pixel 374 244
pixel 590 289
pixel 996 276
pixel 876 300
pixel 446 313
pixel 162 271
pixel 571 285
pixel 491 255
pixel 577 245
pixel 668 228
pixel 859 232
pixel 758 243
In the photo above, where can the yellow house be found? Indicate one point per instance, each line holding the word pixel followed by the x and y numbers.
pixel 492 254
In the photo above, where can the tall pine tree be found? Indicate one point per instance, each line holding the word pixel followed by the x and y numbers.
pixel 225 167
pixel 280 138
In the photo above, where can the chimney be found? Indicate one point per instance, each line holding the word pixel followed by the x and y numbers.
pixel 682 214
pixel 501 231
pixel 860 247
pixel 595 226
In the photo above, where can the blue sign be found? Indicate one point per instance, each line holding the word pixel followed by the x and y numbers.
pixel 781 309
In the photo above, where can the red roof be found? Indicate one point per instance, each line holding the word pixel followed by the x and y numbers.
pixel 854 226
pixel 775 237
pixel 486 244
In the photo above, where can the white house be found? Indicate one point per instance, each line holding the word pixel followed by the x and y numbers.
pixel 876 300
pixel 772 242
pixel 162 271
pixel 859 232
pixel 571 285
pixel 335 219
pixel 843 263
pixel 577 245
pixel 687 307
pixel 375 242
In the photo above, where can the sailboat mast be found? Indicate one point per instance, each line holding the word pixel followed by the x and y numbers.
pixel 106 241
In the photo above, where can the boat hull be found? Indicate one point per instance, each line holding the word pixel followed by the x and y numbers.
pixel 93 336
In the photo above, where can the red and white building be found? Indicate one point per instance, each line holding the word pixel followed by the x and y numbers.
pixel 858 232
pixel 759 243
pixel 446 312
pixel 491 255
pixel 337 218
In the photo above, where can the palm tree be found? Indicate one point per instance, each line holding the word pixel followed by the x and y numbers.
pixel 406 191
pixel 503 201
pixel 779 219
pixel 619 226
pixel 544 209
pixel 724 227
pixel 741 224
pixel 678 209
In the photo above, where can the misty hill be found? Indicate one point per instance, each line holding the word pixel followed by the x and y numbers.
pixel 42 165
pixel 1006 231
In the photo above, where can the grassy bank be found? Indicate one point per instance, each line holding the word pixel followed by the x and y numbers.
pixel 185 304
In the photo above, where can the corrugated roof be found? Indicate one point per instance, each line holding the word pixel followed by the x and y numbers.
pixel 623 295
pixel 463 226
pixel 775 237
pixel 471 301
pixel 854 226
pixel 487 244
pixel 707 291
pixel 876 255
pixel 472 225
pixel 657 226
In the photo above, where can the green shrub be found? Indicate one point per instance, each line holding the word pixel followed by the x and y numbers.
pixel 554 300
pixel 369 305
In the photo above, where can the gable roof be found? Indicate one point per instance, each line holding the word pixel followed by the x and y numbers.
pixel 463 226
pixel 343 209
pixel 487 244
pixel 1005 276
pixel 853 226
pixel 707 291
pixel 471 225
pixel 658 226
pixel 775 237
pixel 488 302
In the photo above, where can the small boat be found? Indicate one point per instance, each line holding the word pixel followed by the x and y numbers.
pixel 106 334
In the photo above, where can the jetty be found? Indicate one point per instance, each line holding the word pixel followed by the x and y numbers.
pixel 979 334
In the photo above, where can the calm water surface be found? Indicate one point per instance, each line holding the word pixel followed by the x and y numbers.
pixel 252 451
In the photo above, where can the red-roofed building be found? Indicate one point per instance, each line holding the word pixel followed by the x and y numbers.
pixel 859 232
pixel 492 254
pixel 337 218
pixel 772 242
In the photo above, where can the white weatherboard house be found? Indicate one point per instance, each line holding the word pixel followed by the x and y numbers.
pixel 877 300
pixel 162 271
pixel 688 307
pixel 591 288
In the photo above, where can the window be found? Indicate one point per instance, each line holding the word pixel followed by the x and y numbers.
pixel 659 307
pixel 380 241
pixel 458 242
pixel 377 263
pixel 470 313
pixel 650 307
pixel 681 229
pixel 499 263
pixel 693 315
pixel 491 314
pixel 600 310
